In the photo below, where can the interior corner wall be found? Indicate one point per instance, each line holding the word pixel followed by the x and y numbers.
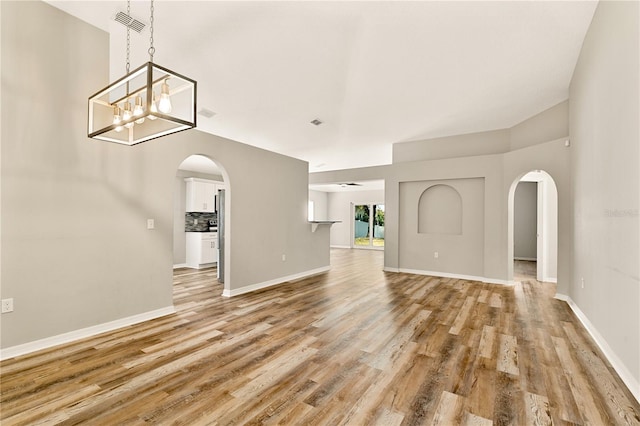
pixel 472 144
pixel 548 125
pixel 76 252
pixel 339 208
pixel 604 95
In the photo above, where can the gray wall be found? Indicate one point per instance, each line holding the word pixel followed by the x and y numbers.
pixel 525 221
pixel 483 143
pixel 605 139
pixel 75 251
pixel 548 125
pixel 555 159
pixel 418 244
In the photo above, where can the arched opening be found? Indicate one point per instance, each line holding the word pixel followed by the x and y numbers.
pixel 533 227
pixel 440 211
pixel 202 200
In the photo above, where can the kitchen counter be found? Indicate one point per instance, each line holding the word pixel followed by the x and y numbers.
pixel 316 223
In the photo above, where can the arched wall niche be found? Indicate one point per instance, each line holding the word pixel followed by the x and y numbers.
pixel 440 211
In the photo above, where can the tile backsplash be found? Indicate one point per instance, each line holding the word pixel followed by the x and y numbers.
pixel 203 219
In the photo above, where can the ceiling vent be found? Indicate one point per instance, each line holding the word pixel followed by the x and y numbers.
pixel 344 185
pixel 129 22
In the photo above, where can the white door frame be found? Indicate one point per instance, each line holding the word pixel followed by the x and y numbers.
pixel 371 227
pixel 546 267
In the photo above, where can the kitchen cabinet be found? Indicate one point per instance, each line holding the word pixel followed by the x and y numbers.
pixel 202 249
pixel 201 195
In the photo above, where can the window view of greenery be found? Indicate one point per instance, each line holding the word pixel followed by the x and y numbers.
pixel 365 225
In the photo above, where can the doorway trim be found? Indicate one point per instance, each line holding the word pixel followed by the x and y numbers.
pixel 352 237
pixel 547 225
pixel 227 214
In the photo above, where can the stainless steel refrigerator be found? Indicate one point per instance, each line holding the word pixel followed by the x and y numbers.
pixel 221 231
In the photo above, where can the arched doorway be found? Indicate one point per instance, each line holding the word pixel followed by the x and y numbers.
pixel 533 227
pixel 200 216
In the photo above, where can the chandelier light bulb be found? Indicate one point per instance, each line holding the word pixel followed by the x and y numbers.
pixel 117 118
pixel 127 114
pixel 138 110
pixel 153 108
pixel 165 102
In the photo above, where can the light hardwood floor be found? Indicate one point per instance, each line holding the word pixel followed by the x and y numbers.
pixel 524 270
pixel 354 346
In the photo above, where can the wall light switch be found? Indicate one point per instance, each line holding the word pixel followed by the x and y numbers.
pixel 151 224
pixel 435 254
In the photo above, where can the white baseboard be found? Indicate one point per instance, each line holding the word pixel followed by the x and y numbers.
pixel 550 280
pixel 387 269
pixel 271 283
pixel 456 276
pixel 621 369
pixel 500 282
pixel 205 265
pixel 340 247
pixel 528 259
pixel 199 266
pixel 82 333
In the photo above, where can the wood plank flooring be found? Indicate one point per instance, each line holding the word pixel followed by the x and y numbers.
pixel 354 346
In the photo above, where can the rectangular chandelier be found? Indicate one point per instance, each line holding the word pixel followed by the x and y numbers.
pixel 148 103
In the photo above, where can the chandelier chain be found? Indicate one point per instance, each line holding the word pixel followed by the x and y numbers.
pixel 152 49
pixel 128 37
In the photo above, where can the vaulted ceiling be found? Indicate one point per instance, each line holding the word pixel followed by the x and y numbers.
pixel 374 73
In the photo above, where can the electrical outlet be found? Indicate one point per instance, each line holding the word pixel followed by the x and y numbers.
pixel 151 224
pixel 435 254
pixel 582 282
pixel 7 305
pixel 284 257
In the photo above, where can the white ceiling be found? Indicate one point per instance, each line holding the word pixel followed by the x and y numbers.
pixel 375 73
